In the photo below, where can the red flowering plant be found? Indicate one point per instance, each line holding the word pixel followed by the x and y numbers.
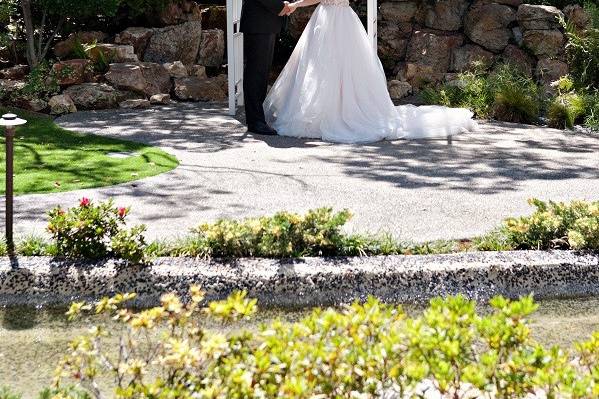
pixel 96 231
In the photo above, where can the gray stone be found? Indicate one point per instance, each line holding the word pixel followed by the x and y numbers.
pixel 71 72
pixel 519 58
pixel 197 89
pixel 532 16
pixel 114 52
pixel 136 37
pixel 469 55
pixel 577 16
pixel 8 87
pixel 446 14
pixel 549 70
pixel 403 11
pixel 399 89
pixel 93 96
pixel 175 43
pixel 146 78
pixel 433 49
pixel 212 48
pixel 393 42
pixel 545 43
pixel 16 72
pixel 488 25
pixel 199 71
pixel 160 99
pixel 35 104
pixel 176 69
pixel 62 104
pixel 135 104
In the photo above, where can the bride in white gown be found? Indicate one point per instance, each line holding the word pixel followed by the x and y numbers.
pixel 334 88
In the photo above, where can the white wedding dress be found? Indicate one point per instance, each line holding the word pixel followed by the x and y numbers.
pixel 334 88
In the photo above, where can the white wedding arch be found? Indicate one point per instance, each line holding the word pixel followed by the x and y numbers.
pixel 235 48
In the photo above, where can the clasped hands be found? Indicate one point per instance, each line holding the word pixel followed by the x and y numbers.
pixel 288 9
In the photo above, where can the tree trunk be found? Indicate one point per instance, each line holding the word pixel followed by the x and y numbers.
pixel 32 57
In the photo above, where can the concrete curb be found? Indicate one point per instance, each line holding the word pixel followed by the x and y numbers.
pixel 308 281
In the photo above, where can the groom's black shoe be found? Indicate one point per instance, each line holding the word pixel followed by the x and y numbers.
pixel 262 129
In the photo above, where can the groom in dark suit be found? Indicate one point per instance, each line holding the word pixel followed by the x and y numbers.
pixel 261 21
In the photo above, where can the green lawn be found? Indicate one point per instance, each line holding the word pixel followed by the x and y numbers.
pixel 51 159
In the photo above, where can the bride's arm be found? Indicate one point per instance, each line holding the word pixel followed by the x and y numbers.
pixel 302 3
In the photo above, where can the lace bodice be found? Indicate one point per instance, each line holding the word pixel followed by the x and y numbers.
pixel 340 3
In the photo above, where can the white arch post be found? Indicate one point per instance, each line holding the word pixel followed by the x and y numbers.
pixel 235 47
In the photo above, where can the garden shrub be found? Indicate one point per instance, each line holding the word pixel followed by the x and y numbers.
pixel 556 225
pixel 39 83
pixel 363 350
pixel 96 231
pixel 505 94
pixel 282 235
pixel 582 51
pixel 567 107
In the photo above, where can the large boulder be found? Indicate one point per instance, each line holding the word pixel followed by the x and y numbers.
pixel 71 72
pixel 393 42
pixel 399 89
pixel 136 37
pixel 446 15
pixel 549 70
pixel 418 75
pixel 62 104
pixel 577 16
pixel 66 47
pixel 146 78
pixel 176 69
pixel 138 103
pixel 214 17
pixel 469 55
pixel 177 12
pixel 489 25
pixel 160 99
pixel 113 53
pixel 545 43
pixel 8 87
pixel 197 89
pixel 15 72
pixel 212 48
pixel 532 16
pixel 519 59
pixel 199 71
pixel 175 43
pixel 94 96
pixel 433 49
pixel 403 11
pixel 31 104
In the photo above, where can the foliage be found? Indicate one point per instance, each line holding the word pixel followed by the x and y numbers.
pixel 582 51
pixel 50 159
pixel 140 7
pixel 40 83
pixel 505 94
pixel 6 393
pixel 556 225
pixel 567 107
pixel 359 351
pixel 96 231
pixel 591 120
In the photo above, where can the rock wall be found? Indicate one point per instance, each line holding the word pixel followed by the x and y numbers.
pixel 423 41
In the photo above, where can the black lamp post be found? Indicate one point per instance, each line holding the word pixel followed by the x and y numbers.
pixel 10 122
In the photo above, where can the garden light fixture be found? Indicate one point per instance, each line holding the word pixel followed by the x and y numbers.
pixel 10 122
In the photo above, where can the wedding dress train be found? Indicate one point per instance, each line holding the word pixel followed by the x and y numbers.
pixel 334 88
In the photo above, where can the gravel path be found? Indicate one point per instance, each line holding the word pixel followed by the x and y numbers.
pixel 417 190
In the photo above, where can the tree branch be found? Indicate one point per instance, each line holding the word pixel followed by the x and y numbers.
pixel 41 34
pixel 52 37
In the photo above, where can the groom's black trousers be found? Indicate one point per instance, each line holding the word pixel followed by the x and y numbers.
pixel 259 49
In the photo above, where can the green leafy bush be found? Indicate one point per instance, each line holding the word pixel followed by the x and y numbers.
pixel 505 94
pixel 363 350
pixel 560 225
pixel 282 235
pixel 567 107
pixel 582 51
pixel 96 231
pixel 40 83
